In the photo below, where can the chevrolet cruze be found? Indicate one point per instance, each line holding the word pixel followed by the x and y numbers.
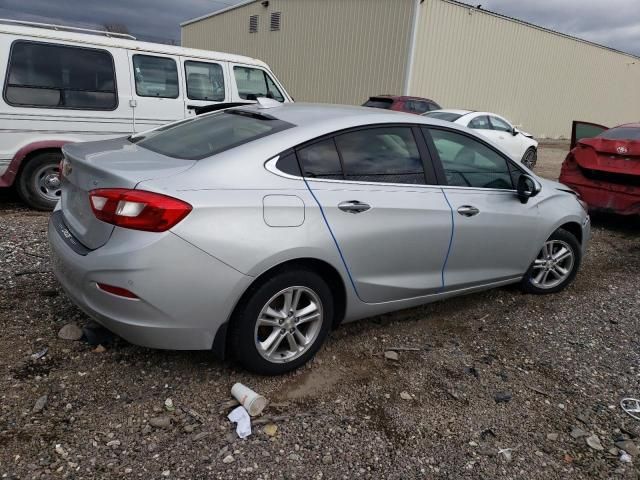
pixel 256 230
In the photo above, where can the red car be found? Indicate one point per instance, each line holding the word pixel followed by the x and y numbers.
pixel 417 105
pixel 603 166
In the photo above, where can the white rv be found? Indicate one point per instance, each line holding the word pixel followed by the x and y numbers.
pixel 64 84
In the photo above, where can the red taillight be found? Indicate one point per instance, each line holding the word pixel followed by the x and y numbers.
pixel 119 291
pixel 137 209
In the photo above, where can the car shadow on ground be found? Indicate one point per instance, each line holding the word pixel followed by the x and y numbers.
pixel 626 224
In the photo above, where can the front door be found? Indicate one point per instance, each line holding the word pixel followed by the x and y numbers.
pixel 580 130
pixel 156 93
pixel 391 226
pixel 494 234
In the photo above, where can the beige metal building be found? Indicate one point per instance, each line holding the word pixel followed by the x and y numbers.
pixel 343 51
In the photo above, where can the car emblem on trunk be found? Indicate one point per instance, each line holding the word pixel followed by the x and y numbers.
pixel 621 150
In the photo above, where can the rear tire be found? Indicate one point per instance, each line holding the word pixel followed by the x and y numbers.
pixel 555 266
pixel 530 158
pixel 256 331
pixel 38 184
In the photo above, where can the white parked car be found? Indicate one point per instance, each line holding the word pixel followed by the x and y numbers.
pixel 64 85
pixel 521 146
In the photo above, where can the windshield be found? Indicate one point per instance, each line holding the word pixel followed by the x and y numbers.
pixel 210 134
pixel 621 133
pixel 378 103
pixel 446 116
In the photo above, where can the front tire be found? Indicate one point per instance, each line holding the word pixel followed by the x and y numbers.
pixel 39 182
pixel 556 265
pixel 282 322
pixel 530 158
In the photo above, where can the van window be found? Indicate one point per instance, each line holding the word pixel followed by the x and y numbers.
pixel 155 76
pixel 253 83
pixel 60 76
pixel 205 81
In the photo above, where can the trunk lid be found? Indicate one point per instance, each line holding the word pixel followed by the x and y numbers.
pixel 114 163
pixel 613 156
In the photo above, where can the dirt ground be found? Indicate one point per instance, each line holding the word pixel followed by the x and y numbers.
pixel 564 361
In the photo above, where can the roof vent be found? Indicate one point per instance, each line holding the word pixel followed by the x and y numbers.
pixel 264 102
pixel 253 24
pixel 275 21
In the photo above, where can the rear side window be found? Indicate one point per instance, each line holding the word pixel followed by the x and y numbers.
pixel 155 76
pixel 210 134
pixel 469 163
pixel 385 154
pixel 253 83
pixel 321 160
pixel 205 81
pixel 480 123
pixel 60 76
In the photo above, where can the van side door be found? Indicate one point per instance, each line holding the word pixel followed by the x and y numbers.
pixel 156 94
pixel 206 83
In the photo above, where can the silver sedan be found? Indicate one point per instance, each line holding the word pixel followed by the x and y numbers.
pixel 256 230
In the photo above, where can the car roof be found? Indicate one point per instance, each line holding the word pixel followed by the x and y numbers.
pixel 452 110
pixel 629 125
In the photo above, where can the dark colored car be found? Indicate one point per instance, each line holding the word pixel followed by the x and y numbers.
pixel 603 166
pixel 417 105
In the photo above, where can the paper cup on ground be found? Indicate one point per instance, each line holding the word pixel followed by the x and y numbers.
pixel 253 402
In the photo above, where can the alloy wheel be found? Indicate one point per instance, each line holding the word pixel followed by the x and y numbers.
pixel 553 264
pixel 288 324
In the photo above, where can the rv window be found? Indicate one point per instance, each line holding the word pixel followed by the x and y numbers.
pixel 253 83
pixel 60 76
pixel 155 76
pixel 205 81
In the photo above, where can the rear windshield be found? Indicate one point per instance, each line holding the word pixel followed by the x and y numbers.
pixel 621 133
pixel 378 103
pixel 446 116
pixel 208 135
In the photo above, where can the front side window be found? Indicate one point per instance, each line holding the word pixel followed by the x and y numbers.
pixel 321 160
pixel 155 76
pixel 205 81
pixel 384 154
pixel 469 163
pixel 480 123
pixel 208 135
pixel 253 83
pixel 60 76
pixel 500 125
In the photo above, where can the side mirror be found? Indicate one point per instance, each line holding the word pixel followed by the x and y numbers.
pixel 515 131
pixel 528 187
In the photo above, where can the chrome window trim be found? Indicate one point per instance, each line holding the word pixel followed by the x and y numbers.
pixel 270 165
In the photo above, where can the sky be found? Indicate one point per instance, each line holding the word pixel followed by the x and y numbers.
pixel 614 23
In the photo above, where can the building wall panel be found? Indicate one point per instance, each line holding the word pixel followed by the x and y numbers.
pixel 335 51
pixel 467 58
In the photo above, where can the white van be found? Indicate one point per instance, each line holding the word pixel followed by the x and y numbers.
pixel 63 84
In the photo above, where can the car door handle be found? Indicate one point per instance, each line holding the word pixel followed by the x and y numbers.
pixel 468 211
pixel 353 206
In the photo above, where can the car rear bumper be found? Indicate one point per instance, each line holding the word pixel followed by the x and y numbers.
pixel 185 295
pixel 604 197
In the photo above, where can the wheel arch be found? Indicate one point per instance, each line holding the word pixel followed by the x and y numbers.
pixel 24 154
pixel 323 268
pixel 574 229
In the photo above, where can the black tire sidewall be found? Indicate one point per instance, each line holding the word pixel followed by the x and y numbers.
pixel 535 160
pixel 242 341
pixel 569 239
pixel 24 184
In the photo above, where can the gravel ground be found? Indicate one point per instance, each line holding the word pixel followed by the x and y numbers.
pixel 565 361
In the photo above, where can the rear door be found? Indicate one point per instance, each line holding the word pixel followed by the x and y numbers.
pixel 155 84
pixel 392 225
pixel 580 130
pixel 205 83
pixel 494 234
